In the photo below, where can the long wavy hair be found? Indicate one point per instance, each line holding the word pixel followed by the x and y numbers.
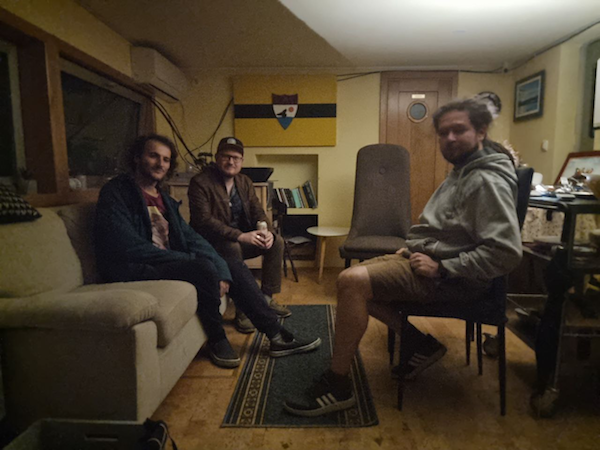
pixel 136 150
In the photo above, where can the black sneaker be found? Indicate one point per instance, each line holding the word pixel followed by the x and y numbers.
pixel 428 353
pixel 223 355
pixel 324 397
pixel 285 344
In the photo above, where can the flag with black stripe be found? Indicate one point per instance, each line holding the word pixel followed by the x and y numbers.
pixel 285 111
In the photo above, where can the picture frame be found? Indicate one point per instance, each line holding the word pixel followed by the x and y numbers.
pixel 529 97
pixel 587 162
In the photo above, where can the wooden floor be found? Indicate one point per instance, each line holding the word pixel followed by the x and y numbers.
pixel 448 407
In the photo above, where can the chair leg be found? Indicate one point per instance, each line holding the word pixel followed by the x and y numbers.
pixel 404 325
pixel 286 252
pixel 391 344
pixel 479 350
pixel 347 264
pixel 468 332
pixel 502 368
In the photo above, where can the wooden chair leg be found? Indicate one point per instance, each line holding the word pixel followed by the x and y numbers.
pixel 502 368
pixel 391 344
pixel 479 350
pixel 468 332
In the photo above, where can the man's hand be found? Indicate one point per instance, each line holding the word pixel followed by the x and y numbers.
pixel 223 288
pixel 423 265
pixel 268 243
pixel 255 238
pixel 404 252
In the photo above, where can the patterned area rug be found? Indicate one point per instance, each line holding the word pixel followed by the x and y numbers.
pixel 266 382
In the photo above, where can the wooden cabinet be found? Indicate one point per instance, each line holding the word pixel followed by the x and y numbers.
pixel 178 189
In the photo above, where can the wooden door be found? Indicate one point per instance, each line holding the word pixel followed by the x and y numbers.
pixel 408 101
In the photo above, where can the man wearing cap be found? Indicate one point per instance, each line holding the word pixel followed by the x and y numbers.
pixel 140 235
pixel 225 210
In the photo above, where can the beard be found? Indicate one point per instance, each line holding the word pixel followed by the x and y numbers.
pixel 457 156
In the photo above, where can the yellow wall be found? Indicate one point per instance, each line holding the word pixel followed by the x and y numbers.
pixel 527 136
pixel 70 22
pixel 470 84
pixel 357 126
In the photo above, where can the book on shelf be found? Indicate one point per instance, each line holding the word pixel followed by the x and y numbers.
pixel 290 198
pixel 297 198
pixel 310 194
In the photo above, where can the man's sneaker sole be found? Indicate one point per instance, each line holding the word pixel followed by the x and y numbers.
pixel 421 362
pixel 327 404
pixel 294 351
pixel 224 363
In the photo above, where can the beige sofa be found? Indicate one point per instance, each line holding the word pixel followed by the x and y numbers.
pixel 76 349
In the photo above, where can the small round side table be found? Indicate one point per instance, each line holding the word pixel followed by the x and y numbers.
pixel 322 234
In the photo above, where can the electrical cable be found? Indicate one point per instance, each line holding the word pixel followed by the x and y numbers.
pixel 212 136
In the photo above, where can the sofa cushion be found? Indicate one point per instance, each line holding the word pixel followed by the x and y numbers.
pixel 37 257
pixel 113 310
pixel 79 220
pixel 176 303
pixel 14 209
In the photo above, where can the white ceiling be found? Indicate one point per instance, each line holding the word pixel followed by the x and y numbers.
pixel 456 34
pixel 489 34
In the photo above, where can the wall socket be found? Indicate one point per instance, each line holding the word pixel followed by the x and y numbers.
pixel 545 145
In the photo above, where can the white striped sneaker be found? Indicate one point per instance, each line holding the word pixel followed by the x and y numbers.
pixel 323 397
pixel 428 353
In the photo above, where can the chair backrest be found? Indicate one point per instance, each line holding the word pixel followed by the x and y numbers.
pixel 382 191
pixel 524 176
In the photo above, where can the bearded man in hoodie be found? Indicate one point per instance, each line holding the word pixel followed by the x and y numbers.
pixel 468 234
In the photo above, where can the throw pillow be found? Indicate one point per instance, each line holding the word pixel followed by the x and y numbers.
pixel 14 209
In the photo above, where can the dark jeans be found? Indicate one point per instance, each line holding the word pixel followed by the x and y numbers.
pixel 272 260
pixel 204 276
pixel 558 281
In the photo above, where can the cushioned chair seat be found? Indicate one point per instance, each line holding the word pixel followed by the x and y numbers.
pixel 177 303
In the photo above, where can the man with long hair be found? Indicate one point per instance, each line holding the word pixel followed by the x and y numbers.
pixel 140 235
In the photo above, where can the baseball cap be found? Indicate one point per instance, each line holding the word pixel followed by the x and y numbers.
pixel 231 143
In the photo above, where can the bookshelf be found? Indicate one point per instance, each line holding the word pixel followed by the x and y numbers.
pixel 292 171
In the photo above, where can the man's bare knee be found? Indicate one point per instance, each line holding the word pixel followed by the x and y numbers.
pixel 355 280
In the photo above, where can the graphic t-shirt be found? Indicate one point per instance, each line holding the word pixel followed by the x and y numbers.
pixel 160 225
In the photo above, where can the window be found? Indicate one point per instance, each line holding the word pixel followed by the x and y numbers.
pixel 12 156
pixel 101 119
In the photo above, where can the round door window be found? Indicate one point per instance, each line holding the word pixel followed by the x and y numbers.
pixel 417 111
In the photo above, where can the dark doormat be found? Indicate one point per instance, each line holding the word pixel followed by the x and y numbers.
pixel 266 382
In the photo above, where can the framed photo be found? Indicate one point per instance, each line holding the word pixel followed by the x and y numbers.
pixel 580 163
pixel 529 97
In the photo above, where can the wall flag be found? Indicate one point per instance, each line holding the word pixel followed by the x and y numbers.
pixel 285 111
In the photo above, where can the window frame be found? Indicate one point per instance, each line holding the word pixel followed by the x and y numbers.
pixel 39 61
pixel 13 74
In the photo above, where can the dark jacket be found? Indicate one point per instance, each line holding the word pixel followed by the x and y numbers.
pixel 210 213
pixel 123 234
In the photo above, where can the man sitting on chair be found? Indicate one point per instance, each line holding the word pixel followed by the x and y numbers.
pixel 468 234
pixel 225 210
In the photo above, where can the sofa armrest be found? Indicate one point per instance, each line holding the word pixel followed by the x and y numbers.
pixel 94 311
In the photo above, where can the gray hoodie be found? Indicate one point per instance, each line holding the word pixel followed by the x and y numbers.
pixel 470 222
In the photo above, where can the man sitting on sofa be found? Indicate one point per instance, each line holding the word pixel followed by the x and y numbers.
pixel 140 235
pixel 225 209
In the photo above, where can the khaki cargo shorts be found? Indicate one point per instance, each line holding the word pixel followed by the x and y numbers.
pixel 393 280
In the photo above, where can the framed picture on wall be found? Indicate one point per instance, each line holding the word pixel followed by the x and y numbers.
pixel 579 163
pixel 529 97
